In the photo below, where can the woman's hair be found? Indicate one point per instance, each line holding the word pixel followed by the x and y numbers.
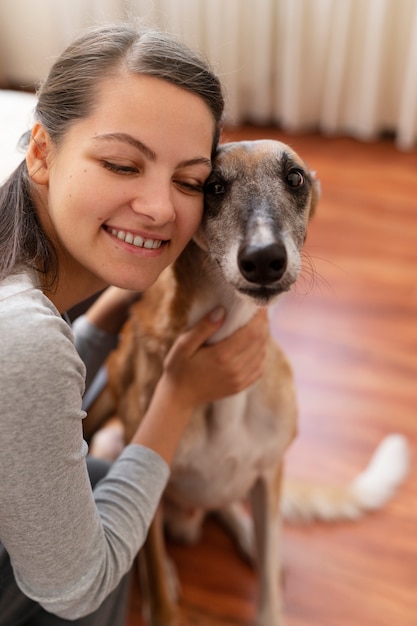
pixel 70 93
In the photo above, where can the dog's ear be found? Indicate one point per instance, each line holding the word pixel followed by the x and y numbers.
pixel 315 194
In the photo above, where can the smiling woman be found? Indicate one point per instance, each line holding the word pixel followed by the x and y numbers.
pixel 148 173
pixel 110 192
pixel 78 85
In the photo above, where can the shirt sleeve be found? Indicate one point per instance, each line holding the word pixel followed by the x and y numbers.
pixel 69 547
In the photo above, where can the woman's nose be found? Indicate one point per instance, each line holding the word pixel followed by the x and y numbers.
pixel 154 200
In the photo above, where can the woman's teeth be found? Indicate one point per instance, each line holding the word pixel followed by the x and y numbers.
pixel 136 240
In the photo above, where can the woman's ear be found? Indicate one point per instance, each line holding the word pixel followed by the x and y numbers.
pixel 37 155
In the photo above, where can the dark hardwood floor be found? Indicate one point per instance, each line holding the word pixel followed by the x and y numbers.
pixel 350 331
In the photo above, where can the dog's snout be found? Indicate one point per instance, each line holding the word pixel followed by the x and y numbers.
pixel 262 264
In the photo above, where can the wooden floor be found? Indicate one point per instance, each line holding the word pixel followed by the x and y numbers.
pixel 350 330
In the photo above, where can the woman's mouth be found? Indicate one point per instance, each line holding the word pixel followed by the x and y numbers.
pixel 135 240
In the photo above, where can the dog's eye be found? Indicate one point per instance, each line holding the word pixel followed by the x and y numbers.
pixel 215 188
pixel 295 178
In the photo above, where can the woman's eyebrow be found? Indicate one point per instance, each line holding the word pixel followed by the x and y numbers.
pixel 196 161
pixel 126 138
pixel 148 152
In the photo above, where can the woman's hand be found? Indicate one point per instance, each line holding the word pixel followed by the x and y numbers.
pixel 204 373
pixel 196 373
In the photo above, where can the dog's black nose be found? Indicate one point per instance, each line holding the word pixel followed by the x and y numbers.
pixel 262 264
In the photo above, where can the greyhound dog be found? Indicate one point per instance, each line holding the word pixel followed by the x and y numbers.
pixel 247 252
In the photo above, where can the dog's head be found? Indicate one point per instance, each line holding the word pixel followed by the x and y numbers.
pixel 258 201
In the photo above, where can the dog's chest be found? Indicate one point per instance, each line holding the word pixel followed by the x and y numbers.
pixel 225 449
pixel 229 443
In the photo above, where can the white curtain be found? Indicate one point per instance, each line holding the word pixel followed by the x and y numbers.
pixel 339 66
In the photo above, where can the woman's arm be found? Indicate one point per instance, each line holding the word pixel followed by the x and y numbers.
pixel 69 547
pixel 96 332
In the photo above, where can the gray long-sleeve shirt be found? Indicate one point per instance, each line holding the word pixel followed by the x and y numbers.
pixel 69 547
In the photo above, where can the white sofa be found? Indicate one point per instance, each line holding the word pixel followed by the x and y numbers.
pixel 16 117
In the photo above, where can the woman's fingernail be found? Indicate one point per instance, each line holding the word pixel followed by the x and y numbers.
pixel 217 314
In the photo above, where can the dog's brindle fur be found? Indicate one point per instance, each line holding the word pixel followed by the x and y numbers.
pixel 247 252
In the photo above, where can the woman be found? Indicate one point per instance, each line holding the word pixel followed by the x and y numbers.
pixel 110 192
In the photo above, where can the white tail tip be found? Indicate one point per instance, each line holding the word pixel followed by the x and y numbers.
pixel 385 471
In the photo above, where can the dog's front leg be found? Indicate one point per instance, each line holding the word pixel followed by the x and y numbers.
pixel 159 583
pixel 265 501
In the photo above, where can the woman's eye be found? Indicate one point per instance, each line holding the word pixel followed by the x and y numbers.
pixel 120 169
pixel 190 187
pixel 295 178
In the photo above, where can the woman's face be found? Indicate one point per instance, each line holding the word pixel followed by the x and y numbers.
pixel 122 194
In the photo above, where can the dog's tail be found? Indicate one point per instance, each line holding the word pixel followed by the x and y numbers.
pixel 369 491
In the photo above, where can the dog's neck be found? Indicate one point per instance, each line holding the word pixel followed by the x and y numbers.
pixel 205 288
